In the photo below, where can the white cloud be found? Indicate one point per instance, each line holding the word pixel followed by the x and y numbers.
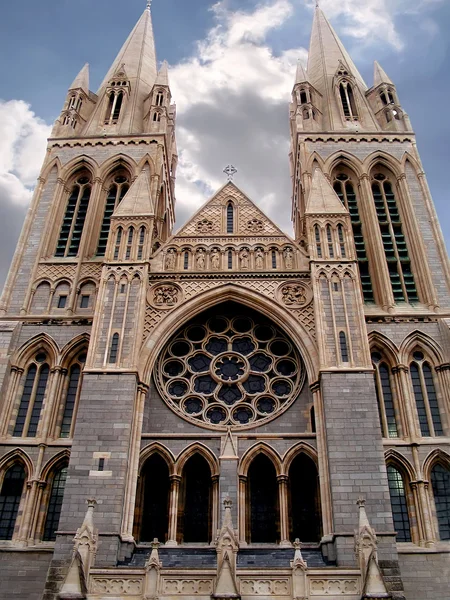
pixel 22 149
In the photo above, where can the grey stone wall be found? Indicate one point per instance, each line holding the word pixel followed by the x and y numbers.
pixel 426 576
pixel 23 574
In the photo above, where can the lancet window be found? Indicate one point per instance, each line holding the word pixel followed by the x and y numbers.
pixel 440 482
pixel 55 505
pixel 74 217
pixel 114 349
pixel 117 190
pixel 344 347
pixel 394 241
pixel 10 496
pixel 385 397
pixel 230 218
pixel 115 101
pixel 399 504
pixel 32 399
pixel 345 189
pixel 425 395
pixel 348 101
pixel 71 391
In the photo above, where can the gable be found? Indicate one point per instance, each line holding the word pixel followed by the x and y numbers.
pixel 211 219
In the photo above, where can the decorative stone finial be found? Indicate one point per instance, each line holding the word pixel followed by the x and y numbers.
pixel 149 4
pixel 230 171
pixel 299 561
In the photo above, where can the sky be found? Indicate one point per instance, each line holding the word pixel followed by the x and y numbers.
pixel 232 67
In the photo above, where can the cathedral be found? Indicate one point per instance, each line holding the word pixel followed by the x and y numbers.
pixel 227 412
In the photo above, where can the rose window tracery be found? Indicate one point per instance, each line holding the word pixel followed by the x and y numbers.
pixel 230 371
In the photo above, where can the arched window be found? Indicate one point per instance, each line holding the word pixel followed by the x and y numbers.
pixel 399 504
pixel 318 241
pixel 10 495
pixel 306 114
pixel 385 397
pixel 196 501
pixel 186 261
pixel 114 107
pixel 274 259
pixel 114 349
pixel 129 243
pixel 71 393
pixel 440 481
pixel 330 242
pixel 394 242
pixel 74 217
pixel 425 396
pixel 118 243
pixel 55 505
pixel 230 218
pixel 230 259
pixel 344 347
pixel 345 189
pixel 304 500
pixel 341 241
pixel 263 497
pixel 153 521
pixel 159 99
pixel 140 252
pixel 119 187
pixel 348 101
pixel 156 117
pixel 383 97
pixel 32 399
pixel 303 97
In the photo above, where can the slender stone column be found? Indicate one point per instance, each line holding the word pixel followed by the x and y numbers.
pixel 284 510
pixel 173 510
pixel 16 374
pixel 242 509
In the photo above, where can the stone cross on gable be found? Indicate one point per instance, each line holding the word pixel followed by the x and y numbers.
pixel 149 4
pixel 230 171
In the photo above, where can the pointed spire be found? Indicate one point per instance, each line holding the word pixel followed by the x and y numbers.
pixel 380 76
pixel 325 52
pixel 81 81
pixel 322 198
pixel 163 75
pixel 301 75
pixel 138 200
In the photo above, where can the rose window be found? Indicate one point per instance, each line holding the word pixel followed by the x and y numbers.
pixel 230 371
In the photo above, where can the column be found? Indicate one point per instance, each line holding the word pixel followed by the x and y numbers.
pixel 410 426
pixel 173 510
pixel 14 381
pixel 284 510
pixel 242 509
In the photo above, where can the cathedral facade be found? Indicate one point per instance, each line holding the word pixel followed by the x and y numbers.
pixel 226 411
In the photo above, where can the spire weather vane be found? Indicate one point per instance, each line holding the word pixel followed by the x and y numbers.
pixel 230 172
pixel 149 4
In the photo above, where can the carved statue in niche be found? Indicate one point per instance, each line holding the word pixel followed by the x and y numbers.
pixel 200 260
pixel 166 295
pixel 215 259
pixel 293 294
pixel 259 258
pixel 244 257
pixel 170 260
pixel 289 258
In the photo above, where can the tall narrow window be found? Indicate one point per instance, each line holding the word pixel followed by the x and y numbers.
pixel 303 97
pixel 74 218
pixel 118 242
pixel 55 505
pixel 274 259
pixel 399 504
pixel 186 261
pixel 330 242
pixel 196 501
pixel 348 101
pixel 440 481
pixel 425 396
pixel 152 514
pixel 318 241
pixel 341 241
pixel 117 107
pixel 114 349
pixel 344 347
pixel 10 496
pixel 344 188
pixel 385 397
pixel 129 243
pixel 32 398
pixel 263 500
pixel 115 195
pixel 394 242
pixel 114 107
pixel 140 252
pixel 230 259
pixel 230 218
pixel 71 395
pixel 304 500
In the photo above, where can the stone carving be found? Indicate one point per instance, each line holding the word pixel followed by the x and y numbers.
pixel 293 295
pixel 288 258
pixel 255 225
pixel 205 226
pixel 200 586
pixel 200 259
pixel 165 296
pixel 122 586
pixel 332 587
pixel 265 587
pixel 244 258
pixel 259 258
pixel 215 259
pixel 170 260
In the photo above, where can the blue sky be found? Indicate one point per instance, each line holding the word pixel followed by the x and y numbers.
pixel 232 68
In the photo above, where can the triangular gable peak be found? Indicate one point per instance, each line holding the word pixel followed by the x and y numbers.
pixel 207 242
pixel 248 219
